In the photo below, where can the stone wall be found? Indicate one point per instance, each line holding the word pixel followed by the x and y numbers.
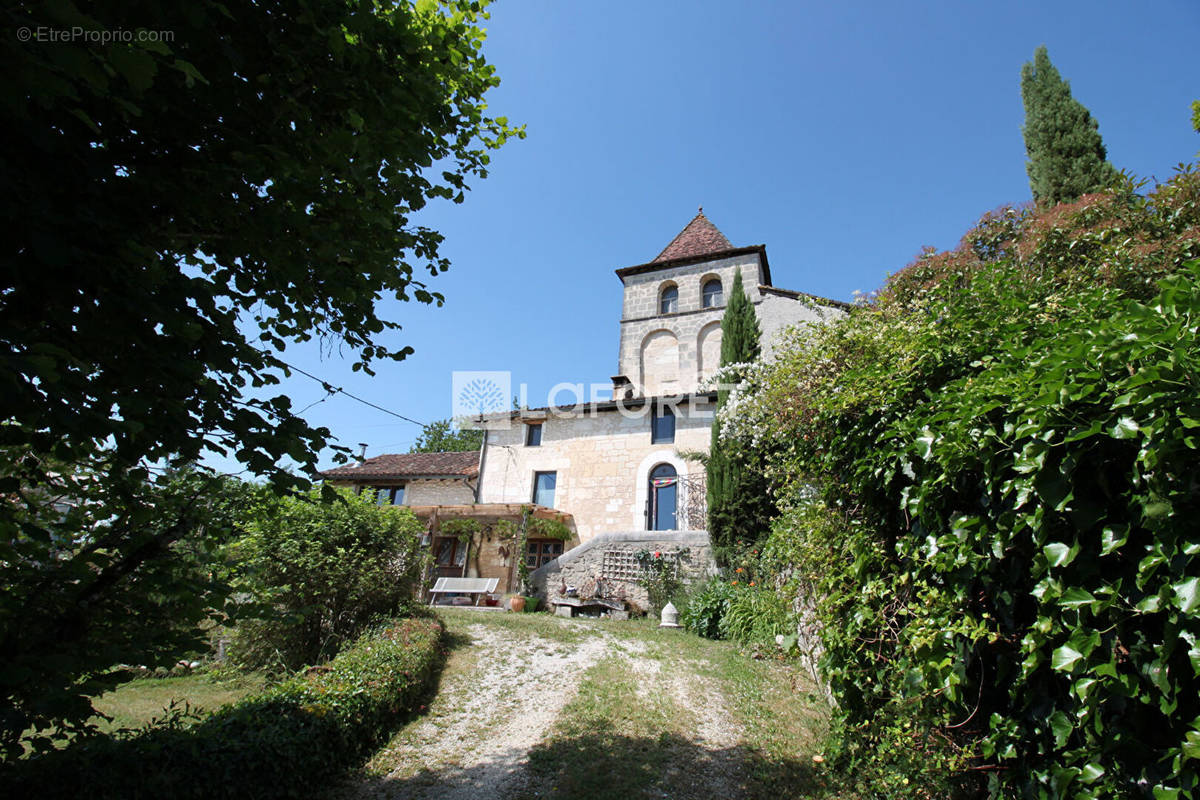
pixel 438 493
pixel 602 460
pixel 690 339
pixel 642 324
pixel 589 561
pixel 781 309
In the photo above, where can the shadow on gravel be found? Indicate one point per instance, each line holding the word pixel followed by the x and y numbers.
pixel 605 766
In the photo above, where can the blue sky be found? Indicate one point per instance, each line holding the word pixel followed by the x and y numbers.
pixel 843 136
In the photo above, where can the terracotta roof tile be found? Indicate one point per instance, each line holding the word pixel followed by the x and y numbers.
pixel 696 239
pixel 405 465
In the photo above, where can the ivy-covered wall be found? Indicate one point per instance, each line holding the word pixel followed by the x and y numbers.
pixel 988 476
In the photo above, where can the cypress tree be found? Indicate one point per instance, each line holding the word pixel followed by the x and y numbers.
pixel 739 501
pixel 1066 154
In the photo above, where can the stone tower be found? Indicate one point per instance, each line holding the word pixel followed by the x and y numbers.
pixel 672 309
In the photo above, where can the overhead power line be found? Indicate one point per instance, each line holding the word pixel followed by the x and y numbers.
pixel 329 387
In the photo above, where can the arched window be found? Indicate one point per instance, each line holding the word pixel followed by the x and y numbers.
pixel 711 293
pixel 662 499
pixel 668 301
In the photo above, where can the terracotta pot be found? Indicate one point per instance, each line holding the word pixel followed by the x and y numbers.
pixel 517 604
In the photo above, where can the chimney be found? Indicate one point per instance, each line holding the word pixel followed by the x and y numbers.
pixel 622 387
pixel 362 452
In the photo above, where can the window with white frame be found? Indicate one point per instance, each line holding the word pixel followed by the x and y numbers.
pixel 711 294
pixel 668 300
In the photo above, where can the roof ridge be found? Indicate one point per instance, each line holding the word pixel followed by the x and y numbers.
pixel 698 237
pixel 444 462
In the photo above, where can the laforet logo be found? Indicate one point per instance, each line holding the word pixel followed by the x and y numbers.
pixel 475 393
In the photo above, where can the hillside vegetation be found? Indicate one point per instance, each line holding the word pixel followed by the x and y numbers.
pixel 989 484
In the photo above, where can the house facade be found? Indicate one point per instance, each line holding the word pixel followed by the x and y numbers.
pixel 621 469
pixel 629 464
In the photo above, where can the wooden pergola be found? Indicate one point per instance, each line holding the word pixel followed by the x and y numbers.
pixel 490 511
pixel 432 516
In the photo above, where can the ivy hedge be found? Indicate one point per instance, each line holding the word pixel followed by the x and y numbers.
pixel 991 481
pixel 286 742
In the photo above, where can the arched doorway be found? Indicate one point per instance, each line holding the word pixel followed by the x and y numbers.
pixel 662 498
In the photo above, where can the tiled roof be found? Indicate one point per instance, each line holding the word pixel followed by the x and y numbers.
pixel 698 238
pixel 816 298
pixel 407 465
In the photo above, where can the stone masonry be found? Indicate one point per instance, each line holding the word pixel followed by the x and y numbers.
pixel 602 460
pixel 683 360
pixel 438 493
pixel 591 559
pixel 664 354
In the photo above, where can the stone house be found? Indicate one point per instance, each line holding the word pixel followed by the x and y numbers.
pixel 438 487
pixel 623 471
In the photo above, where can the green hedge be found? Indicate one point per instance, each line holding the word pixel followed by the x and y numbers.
pixel 988 476
pixel 285 742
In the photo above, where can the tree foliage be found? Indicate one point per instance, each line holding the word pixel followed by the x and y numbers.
pixel 99 582
pixel 180 210
pixel 182 204
pixel 989 474
pixel 440 436
pixel 316 574
pixel 739 499
pixel 1067 158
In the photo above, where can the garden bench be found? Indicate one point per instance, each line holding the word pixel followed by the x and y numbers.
pixel 475 586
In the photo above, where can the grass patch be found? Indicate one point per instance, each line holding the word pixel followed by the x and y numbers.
pixel 612 741
pixel 137 703
pixel 461 660
pixel 780 715
pixel 782 719
pixel 288 741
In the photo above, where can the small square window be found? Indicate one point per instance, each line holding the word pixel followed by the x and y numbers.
pixel 533 434
pixel 541 552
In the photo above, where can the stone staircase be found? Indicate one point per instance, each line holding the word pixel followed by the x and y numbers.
pixel 611 556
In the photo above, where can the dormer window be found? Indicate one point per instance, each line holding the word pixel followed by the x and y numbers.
pixel 668 301
pixel 712 294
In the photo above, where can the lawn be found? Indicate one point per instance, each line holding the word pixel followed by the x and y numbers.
pixel 134 704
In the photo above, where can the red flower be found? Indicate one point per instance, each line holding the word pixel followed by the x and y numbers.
pixel 657 554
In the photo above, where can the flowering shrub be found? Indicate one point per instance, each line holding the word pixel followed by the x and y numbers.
pixel 660 576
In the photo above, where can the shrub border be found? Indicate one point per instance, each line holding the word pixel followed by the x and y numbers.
pixel 284 742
